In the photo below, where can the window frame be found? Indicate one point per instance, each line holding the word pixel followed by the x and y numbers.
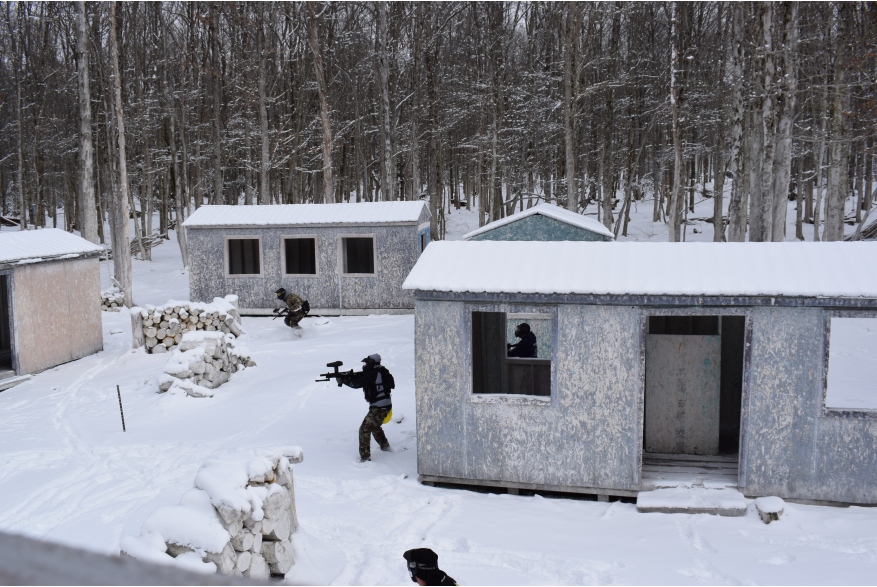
pixel 826 411
pixel 316 239
pixel 227 260
pixel 341 267
pixel 519 311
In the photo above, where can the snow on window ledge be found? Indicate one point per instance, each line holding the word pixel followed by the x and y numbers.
pixel 510 399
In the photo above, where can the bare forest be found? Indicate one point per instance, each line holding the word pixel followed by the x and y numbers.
pixel 149 110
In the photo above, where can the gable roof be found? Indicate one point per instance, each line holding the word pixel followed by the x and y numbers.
pixel 551 211
pixel 836 269
pixel 297 214
pixel 33 246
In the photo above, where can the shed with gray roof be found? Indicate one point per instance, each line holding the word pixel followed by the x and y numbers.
pixel 739 365
pixel 342 258
pixel 49 300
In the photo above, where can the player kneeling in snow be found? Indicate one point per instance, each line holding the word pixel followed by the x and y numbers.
pixel 296 308
pixel 376 382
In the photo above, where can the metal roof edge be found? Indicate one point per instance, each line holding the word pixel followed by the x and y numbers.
pixel 649 300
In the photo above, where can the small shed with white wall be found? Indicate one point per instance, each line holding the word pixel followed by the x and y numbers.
pixel 755 362
pixel 544 222
pixel 49 300
pixel 342 258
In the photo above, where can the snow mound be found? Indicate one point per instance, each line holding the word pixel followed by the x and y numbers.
pixel 770 505
pixel 237 520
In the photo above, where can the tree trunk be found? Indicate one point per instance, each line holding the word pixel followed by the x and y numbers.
pixel 328 184
pixel 217 111
pixel 388 172
pixel 675 207
pixel 786 92
pixel 608 176
pixel 838 146
pixel 264 193
pixel 121 236
pixel 570 63
pixel 88 228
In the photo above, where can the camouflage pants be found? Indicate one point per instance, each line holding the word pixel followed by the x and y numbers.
pixel 372 425
pixel 293 318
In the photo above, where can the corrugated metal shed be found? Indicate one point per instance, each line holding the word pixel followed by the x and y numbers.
pixel 33 246
pixel 690 269
pixel 551 211
pixel 306 214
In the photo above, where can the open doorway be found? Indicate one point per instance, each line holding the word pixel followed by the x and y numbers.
pixel 5 326
pixel 693 394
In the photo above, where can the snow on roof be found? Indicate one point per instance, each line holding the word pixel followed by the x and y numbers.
pixel 33 246
pixel 294 214
pixel 551 211
pixel 836 269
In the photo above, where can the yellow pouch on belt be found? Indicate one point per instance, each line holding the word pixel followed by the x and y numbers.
pixel 388 418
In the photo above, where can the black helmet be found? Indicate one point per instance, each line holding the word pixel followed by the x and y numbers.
pixel 421 561
pixel 281 293
pixel 522 330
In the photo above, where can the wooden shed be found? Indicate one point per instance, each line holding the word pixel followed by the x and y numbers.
pixel 49 301
pixel 747 366
pixel 544 222
pixel 342 258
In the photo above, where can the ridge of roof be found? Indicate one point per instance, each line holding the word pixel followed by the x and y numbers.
pixel 551 211
pixel 293 214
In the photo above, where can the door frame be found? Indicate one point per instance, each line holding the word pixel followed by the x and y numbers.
pixel 644 313
pixel 10 312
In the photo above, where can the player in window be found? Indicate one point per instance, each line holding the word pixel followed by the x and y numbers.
pixel 296 308
pixel 527 347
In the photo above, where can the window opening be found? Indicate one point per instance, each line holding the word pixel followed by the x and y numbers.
pixel 301 256
pixel 5 327
pixel 359 254
pixel 852 364
pixel 511 354
pixel 243 256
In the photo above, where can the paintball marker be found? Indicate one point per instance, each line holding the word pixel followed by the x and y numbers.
pixel 278 312
pixel 337 376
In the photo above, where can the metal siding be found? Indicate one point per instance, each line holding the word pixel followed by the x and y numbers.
pixel 397 250
pixel 538 228
pixel 586 436
pixel 795 451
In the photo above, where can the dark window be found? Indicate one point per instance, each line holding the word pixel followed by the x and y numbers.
pixel 495 372
pixel 301 256
pixel 359 254
pixel 422 241
pixel 5 330
pixel 684 325
pixel 243 256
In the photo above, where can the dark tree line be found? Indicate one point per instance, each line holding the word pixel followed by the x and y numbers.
pixel 163 107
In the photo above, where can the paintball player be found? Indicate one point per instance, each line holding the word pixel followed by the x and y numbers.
pixel 527 347
pixel 376 383
pixel 423 568
pixel 296 307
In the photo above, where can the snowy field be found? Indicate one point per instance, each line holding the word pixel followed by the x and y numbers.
pixel 69 473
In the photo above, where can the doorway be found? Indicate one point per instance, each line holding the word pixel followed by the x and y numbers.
pixel 5 326
pixel 693 394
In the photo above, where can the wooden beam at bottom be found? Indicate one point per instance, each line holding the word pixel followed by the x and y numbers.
pixel 599 491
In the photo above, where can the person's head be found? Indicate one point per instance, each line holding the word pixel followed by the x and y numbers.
pixel 423 566
pixel 522 330
pixel 280 293
pixel 371 362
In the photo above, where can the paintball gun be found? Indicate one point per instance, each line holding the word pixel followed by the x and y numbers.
pixel 278 312
pixel 337 375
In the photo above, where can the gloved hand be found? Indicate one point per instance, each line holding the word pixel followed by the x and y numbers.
pixel 305 307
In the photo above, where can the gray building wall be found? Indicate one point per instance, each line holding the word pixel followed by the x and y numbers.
pixel 589 434
pixel 56 317
pixel 538 228
pixel 397 250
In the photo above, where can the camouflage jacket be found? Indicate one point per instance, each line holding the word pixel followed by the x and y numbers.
pixel 293 302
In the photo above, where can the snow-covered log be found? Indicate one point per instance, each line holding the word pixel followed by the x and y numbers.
pixel 167 323
pixel 202 361
pixel 236 520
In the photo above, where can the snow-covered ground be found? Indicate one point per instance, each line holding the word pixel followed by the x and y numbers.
pixel 68 473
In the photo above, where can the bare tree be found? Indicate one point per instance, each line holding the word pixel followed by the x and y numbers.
pixel 121 234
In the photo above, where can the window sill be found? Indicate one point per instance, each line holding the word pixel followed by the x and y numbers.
pixel 868 413
pixel 510 399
